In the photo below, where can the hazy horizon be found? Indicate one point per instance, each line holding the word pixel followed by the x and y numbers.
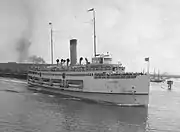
pixel 129 29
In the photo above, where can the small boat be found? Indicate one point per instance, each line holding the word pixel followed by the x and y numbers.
pixel 157 79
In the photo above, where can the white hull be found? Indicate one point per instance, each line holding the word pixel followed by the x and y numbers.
pixel 124 88
pixel 124 99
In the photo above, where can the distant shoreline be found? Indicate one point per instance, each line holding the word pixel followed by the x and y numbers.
pixel 166 76
pixel 14 75
pixel 24 75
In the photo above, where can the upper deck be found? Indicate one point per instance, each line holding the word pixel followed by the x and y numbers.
pixel 81 68
pixel 101 63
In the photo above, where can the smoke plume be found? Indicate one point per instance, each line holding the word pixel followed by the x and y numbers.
pixel 22 47
pixel 23 44
pixel 17 21
pixel 35 59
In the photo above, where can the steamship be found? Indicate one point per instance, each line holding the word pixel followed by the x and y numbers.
pixel 100 80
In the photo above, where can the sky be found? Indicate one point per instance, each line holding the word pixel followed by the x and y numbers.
pixel 129 29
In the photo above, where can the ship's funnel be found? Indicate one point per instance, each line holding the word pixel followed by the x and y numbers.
pixel 73 51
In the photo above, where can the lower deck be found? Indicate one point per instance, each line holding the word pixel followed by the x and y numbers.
pixel 131 99
pixel 140 84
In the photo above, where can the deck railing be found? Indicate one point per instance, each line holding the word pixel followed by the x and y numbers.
pixel 79 69
pixel 116 76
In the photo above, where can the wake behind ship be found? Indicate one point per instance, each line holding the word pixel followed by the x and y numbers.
pixel 99 80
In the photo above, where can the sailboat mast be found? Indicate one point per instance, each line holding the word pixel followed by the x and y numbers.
pixel 154 73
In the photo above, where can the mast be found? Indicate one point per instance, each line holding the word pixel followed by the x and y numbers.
pixel 94 33
pixel 51 42
pixel 94 28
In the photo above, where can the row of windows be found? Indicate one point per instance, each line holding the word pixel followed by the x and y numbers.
pixel 115 77
pixel 62 83
pixel 56 80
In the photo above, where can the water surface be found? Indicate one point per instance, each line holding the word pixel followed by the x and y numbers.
pixel 22 110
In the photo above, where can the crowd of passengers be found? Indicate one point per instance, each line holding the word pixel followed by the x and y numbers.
pixel 115 76
pixel 77 69
pixel 127 74
pixel 98 74
pixel 70 68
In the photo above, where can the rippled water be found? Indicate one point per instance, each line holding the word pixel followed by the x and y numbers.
pixel 22 110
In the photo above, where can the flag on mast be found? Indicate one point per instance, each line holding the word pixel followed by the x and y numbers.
pixel 147 59
pixel 91 9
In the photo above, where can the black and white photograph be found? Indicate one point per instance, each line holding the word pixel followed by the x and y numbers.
pixel 89 65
